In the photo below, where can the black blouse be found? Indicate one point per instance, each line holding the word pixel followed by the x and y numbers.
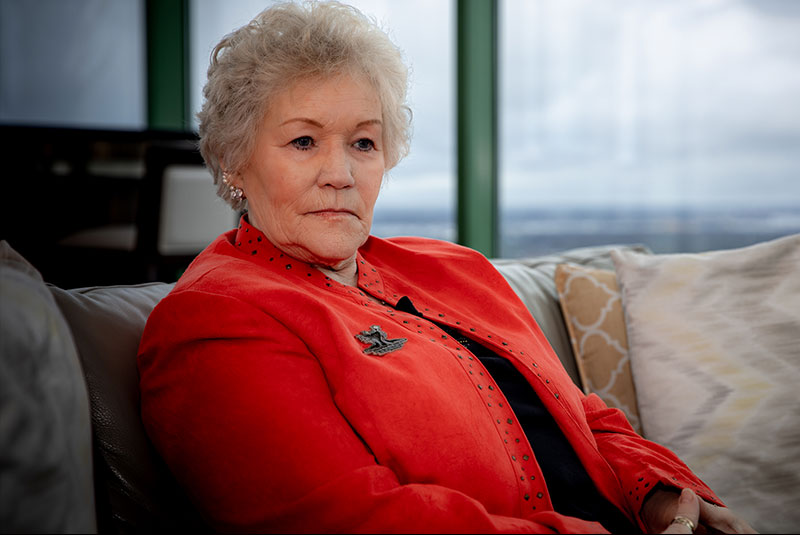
pixel 571 489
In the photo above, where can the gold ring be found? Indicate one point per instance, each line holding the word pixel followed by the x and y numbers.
pixel 685 521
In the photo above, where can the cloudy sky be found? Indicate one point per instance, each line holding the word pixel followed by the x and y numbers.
pixel 679 102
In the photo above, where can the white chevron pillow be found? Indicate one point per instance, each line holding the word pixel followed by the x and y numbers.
pixel 714 344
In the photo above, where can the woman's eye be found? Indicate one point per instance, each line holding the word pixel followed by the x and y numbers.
pixel 364 144
pixel 303 143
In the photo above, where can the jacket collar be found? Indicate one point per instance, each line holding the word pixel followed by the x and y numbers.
pixel 251 242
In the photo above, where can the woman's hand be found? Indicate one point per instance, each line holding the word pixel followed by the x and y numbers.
pixel 686 515
pixel 721 520
pixel 664 506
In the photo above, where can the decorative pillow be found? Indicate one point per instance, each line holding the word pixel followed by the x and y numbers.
pixel 45 436
pixel 592 309
pixel 532 280
pixel 714 343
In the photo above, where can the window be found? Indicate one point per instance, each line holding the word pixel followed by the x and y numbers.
pixel 674 124
pixel 73 64
pixel 418 197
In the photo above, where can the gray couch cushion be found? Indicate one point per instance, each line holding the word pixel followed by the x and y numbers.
pixel 135 491
pixel 533 280
pixel 45 438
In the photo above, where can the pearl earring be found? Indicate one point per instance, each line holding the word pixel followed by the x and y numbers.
pixel 237 194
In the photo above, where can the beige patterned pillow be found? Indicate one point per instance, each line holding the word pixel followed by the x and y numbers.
pixel 714 343
pixel 590 302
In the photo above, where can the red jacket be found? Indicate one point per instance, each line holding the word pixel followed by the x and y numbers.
pixel 262 400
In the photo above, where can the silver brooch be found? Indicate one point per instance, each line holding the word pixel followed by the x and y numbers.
pixel 379 343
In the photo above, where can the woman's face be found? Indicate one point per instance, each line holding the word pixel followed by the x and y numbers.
pixel 316 169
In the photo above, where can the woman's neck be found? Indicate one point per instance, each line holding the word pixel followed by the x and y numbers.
pixel 347 275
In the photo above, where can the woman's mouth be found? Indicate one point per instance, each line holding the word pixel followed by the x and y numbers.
pixel 333 213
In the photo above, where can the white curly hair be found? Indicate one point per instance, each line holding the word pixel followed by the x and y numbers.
pixel 283 44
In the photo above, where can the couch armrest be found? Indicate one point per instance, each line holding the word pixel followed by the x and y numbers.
pixel 45 437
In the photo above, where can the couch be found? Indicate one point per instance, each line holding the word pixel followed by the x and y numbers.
pixel 74 453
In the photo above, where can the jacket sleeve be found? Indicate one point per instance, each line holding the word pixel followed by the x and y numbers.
pixel 242 414
pixel 640 464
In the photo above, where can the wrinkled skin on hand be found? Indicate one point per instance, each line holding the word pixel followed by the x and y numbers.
pixel 663 505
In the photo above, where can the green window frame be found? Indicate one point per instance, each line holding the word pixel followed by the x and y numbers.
pixel 167 27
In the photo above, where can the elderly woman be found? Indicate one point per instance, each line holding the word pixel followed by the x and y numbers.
pixel 304 376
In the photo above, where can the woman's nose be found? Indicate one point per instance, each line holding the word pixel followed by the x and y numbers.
pixel 336 169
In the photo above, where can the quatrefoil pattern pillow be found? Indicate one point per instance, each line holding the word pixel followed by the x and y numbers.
pixel 592 309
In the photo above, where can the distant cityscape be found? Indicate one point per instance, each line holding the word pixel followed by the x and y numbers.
pixel 664 230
